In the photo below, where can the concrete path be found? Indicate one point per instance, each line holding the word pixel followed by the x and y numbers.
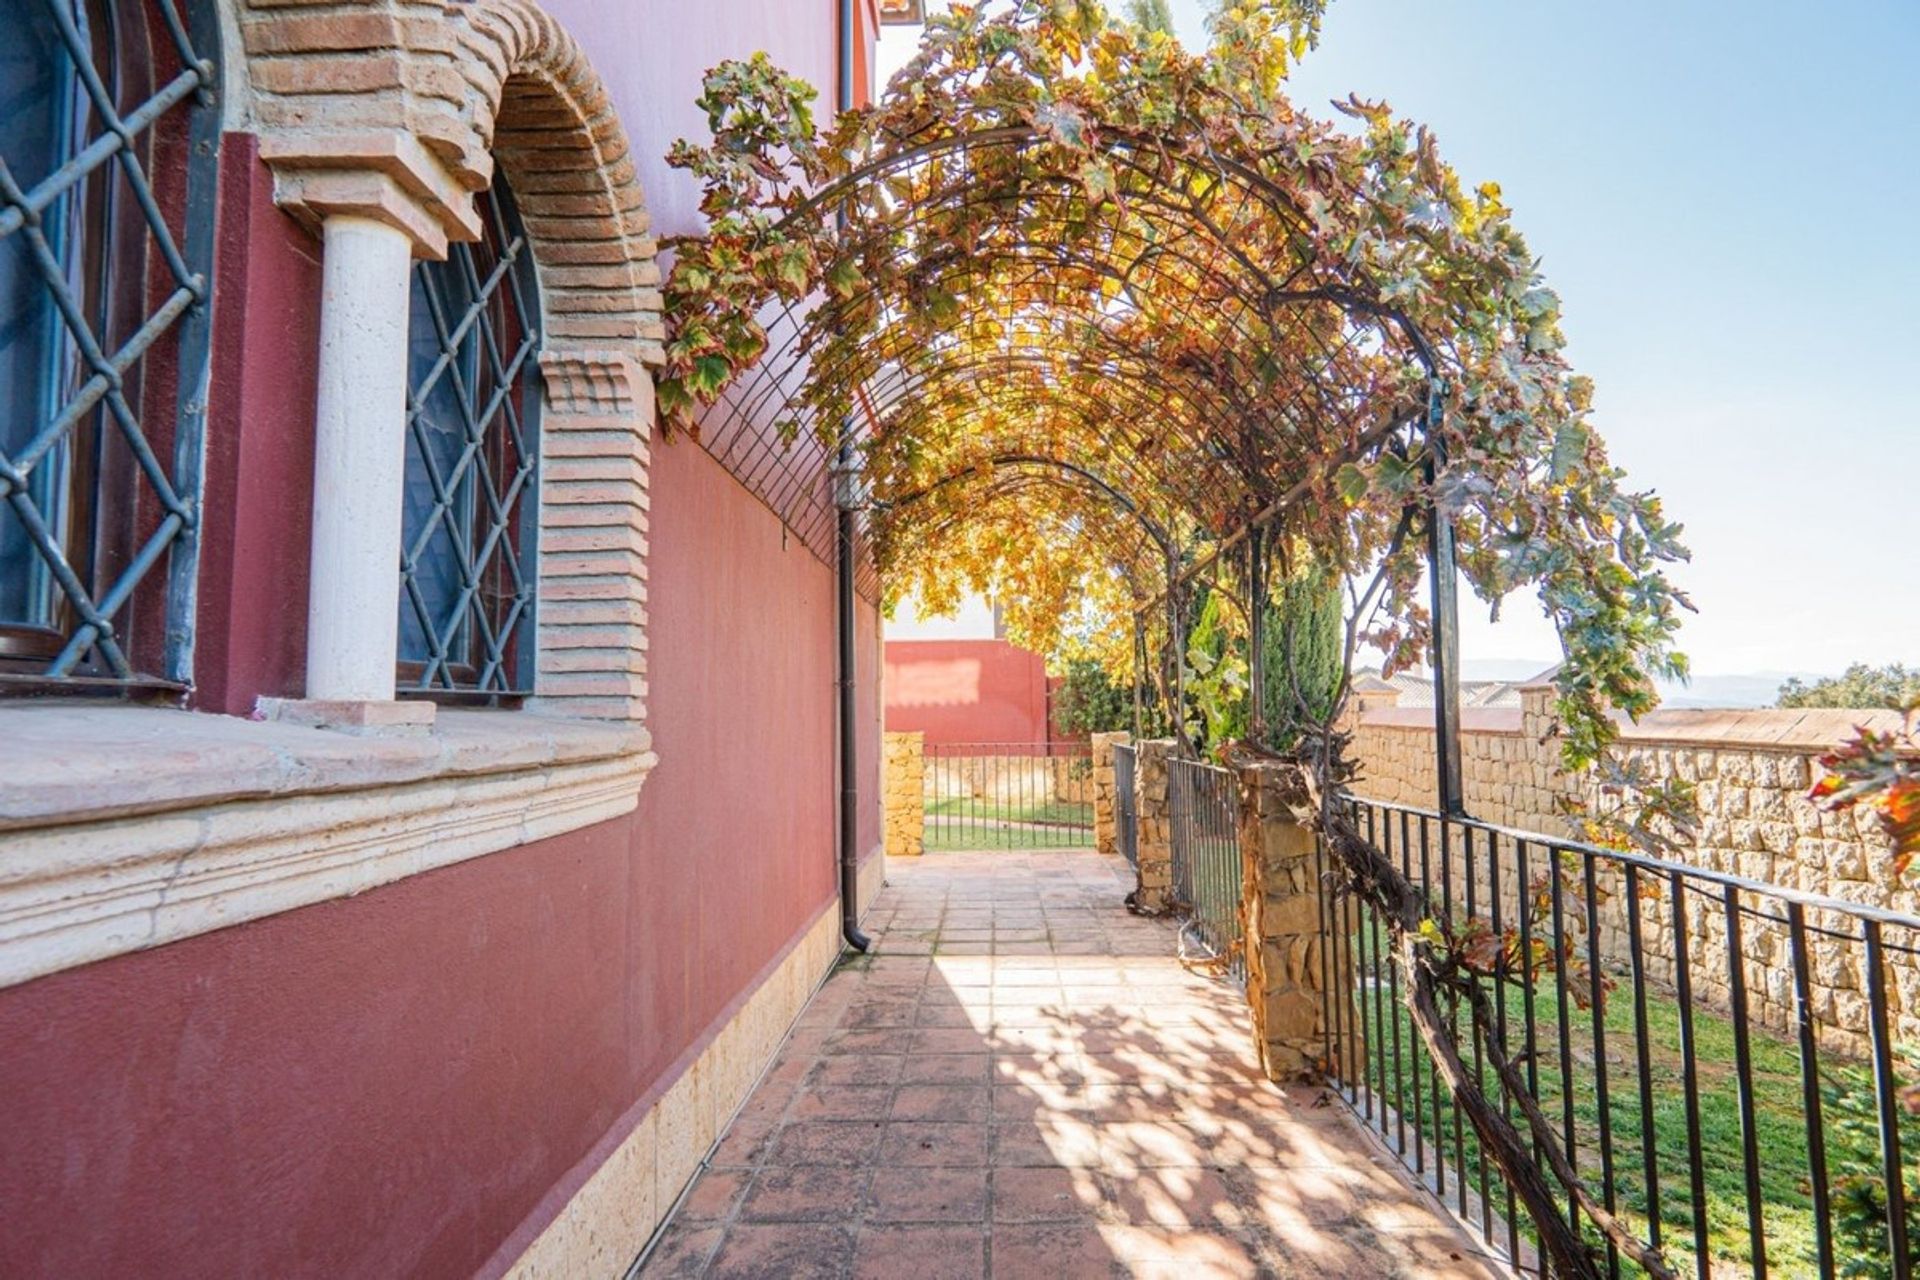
pixel 1025 1082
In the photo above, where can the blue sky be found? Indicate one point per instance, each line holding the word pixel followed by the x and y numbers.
pixel 1727 197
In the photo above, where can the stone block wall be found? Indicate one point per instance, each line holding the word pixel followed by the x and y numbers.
pixel 1154 848
pixel 1285 934
pixel 1751 770
pixel 1106 837
pixel 903 793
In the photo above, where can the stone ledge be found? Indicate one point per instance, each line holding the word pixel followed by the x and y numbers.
pixel 63 762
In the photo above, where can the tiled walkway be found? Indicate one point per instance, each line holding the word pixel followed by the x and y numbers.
pixel 1024 1081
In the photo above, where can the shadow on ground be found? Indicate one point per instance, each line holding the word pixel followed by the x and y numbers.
pixel 1025 1082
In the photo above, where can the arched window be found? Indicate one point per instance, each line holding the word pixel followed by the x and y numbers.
pixel 467 570
pixel 108 131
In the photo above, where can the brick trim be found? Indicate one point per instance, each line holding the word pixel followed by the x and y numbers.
pixel 399 109
pixel 592 618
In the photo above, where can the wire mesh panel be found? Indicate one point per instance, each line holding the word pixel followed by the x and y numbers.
pixel 996 795
pixel 107 151
pixel 1203 807
pixel 1126 812
pixel 467 581
pixel 1716 1055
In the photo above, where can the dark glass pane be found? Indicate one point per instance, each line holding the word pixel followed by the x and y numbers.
pixel 438 433
pixel 38 106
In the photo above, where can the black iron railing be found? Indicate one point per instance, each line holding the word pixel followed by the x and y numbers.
pixel 1203 806
pixel 1126 815
pixel 1716 1054
pixel 1000 795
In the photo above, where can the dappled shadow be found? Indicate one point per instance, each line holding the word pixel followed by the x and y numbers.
pixel 1046 1093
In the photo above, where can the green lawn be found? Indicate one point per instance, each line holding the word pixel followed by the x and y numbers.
pixel 1779 1119
pixel 966 822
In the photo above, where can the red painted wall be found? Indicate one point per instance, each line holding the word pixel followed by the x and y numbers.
pixel 414 1080
pixel 393 1083
pixel 967 691
pixel 251 634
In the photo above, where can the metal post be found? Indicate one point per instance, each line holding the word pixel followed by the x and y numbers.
pixel 1177 649
pixel 1444 576
pixel 1257 635
pixel 844 566
pixel 1139 672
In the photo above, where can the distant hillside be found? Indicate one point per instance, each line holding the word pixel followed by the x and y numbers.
pixel 1742 689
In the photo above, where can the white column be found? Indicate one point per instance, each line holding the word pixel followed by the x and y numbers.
pixel 359 461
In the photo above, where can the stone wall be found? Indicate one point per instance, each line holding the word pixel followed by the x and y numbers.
pixel 1751 770
pixel 1154 843
pixel 1285 934
pixel 1105 835
pixel 903 793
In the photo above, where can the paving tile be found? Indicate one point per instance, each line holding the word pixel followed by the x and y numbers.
pixel 715 1196
pixel 782 1251
pixel 813 1193
pixel 683 1251
pixel 922 1143
pixel 952 1103
pixel 1075 1103
pixel 924 1253
pixel 836 1142
pixel 1052 1251
pixel 1045 1194
pixel 929 1195
pixel 841 1102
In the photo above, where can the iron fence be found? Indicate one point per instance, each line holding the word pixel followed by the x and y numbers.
pixel 1126 814
pixel 1203 808
pixel 1001 795
pixel 1717 1055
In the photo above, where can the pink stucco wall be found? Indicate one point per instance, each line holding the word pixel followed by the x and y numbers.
pixel 409 1081
pixel 958 691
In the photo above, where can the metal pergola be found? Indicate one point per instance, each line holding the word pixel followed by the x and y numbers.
pixel 1114 360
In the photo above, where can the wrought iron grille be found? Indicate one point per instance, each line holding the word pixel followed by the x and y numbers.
pixel 1203 809
pixel 467 580
pixel 1721 1057
pixel 1126 813
pixel 1008 795
pixel 106 243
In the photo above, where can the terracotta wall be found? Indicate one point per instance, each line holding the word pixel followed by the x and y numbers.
pixel 967 691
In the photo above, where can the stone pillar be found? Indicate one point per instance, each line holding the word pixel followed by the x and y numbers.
pixel 359 463
pixel 904 794
pixel 1105 812
pixel 1152 812
pixel 1281 905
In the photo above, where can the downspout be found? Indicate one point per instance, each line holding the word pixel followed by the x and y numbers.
pixel 843 567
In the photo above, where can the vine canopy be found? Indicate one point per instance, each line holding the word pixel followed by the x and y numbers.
pixel 1062 237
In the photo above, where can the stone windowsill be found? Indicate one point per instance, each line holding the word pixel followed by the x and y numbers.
pixel 124 828
pixel 65 762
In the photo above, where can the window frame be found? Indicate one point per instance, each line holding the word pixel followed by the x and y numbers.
pixel 131 550
pixel 498 275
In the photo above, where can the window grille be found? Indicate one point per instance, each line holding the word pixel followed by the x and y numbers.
pixel 467 578
pixel 109 131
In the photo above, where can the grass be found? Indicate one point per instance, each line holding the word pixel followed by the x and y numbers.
pixel 1780 1125
pixel 955 823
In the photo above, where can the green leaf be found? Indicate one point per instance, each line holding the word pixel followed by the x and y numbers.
pixel 1352 484
pixel 1569 449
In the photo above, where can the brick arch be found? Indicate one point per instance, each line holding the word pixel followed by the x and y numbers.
pixel 554 133
pixel 399 109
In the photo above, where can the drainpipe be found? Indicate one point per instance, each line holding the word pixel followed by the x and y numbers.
pixel 843 567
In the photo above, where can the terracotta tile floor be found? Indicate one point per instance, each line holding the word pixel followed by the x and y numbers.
pixel 1023 1081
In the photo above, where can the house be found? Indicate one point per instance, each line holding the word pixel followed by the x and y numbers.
pixel 420 813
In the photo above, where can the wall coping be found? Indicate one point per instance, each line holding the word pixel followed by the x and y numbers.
pixel 123 828
pixel 63 762
pixel 1782 729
